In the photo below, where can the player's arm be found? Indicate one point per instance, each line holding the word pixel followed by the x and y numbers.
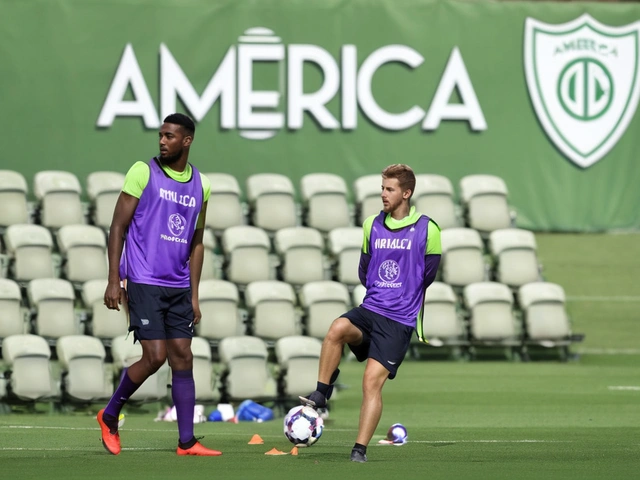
pixel 363 267
pixel 196 259
pixel 122 215
pixel 365 254
pixel 433 253
pixel 135 182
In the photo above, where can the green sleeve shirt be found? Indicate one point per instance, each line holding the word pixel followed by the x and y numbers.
pixel 433 231
pixel 138 176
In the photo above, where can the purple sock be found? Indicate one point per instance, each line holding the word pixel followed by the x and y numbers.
pixel 183 392
pixel 121 395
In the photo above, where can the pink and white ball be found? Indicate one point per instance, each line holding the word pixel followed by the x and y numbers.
pixel 303 426
pixel 397 434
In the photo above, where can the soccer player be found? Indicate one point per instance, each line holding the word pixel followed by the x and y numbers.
pixel 399 260
pixel 159 221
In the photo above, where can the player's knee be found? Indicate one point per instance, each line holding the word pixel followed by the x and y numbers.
pixel 154 361
pixel 371 388
pixel 181 360
pixel 341 331
pixel 374 379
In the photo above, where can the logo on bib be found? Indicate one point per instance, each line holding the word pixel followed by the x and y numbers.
pixel 389 271
pixel 177 224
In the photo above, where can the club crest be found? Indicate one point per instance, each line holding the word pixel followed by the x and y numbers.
pixel 584 83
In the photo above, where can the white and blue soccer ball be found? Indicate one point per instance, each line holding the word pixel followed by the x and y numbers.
pixel 397 434
pixel 303 426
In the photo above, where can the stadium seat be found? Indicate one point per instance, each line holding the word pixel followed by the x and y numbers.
pixel 345 246
pixel 58 194
pixel 515 255
pixel 53 302
pixel 221 318
pixel 272 310
pixel 298 359
pixel 325 204
pixel 29 250
pixel 105 324
pixel 367 190
pixel 12 315
pixel 246 249
pixel 84 375
pixel 322 303
pixel 546 321
pixel 434 197
pixel 491 316
pixel 300 250
pixel 83 249
pixel 4 260
pixel 245 371
pixel 14 208
pixel 203 374
pixel 442 326
pixel 484 200
pixel 29 374
pixel 212 262
pixel 125 353
pixel 462 260
pixel 271 201
pixel 225 208
pixel 358 294
pixel 103 190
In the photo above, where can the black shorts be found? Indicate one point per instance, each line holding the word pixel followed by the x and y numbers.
pixel 383 339
pixel 159 313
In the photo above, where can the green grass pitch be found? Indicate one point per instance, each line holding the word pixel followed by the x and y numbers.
pixel 483 419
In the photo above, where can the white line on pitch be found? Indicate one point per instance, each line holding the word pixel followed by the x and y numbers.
pixel 70 449
pixel 609 351
pixel 149 449
pixel 633 388
pixel 124 429
pixel 490 441
pixel 601 298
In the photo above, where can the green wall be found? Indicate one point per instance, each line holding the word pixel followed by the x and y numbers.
pixel 441 85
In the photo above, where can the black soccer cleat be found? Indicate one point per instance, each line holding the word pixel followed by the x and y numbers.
pixel 315 400
pixel 358 456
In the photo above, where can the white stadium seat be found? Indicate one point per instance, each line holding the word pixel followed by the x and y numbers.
pixel 325 201
pixel 58 194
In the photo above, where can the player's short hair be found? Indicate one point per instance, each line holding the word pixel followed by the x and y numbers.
pixel 183 120
pixel 404 174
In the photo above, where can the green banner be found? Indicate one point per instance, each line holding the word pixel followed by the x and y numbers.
pixel 544 95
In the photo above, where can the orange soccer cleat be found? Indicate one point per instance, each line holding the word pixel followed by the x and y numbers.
pixel 199 450
pixel 110 441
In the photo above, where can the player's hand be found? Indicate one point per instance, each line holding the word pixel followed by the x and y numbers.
pixel 197 314
pixel 114 296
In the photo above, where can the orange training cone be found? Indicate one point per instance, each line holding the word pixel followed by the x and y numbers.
pixel 256 440
pixel 294 451
pixel 275 451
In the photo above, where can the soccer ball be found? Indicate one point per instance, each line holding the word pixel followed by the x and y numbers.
pixel 397 434
pixel 303 426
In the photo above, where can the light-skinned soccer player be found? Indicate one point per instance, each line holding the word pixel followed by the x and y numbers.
pixel 399 260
